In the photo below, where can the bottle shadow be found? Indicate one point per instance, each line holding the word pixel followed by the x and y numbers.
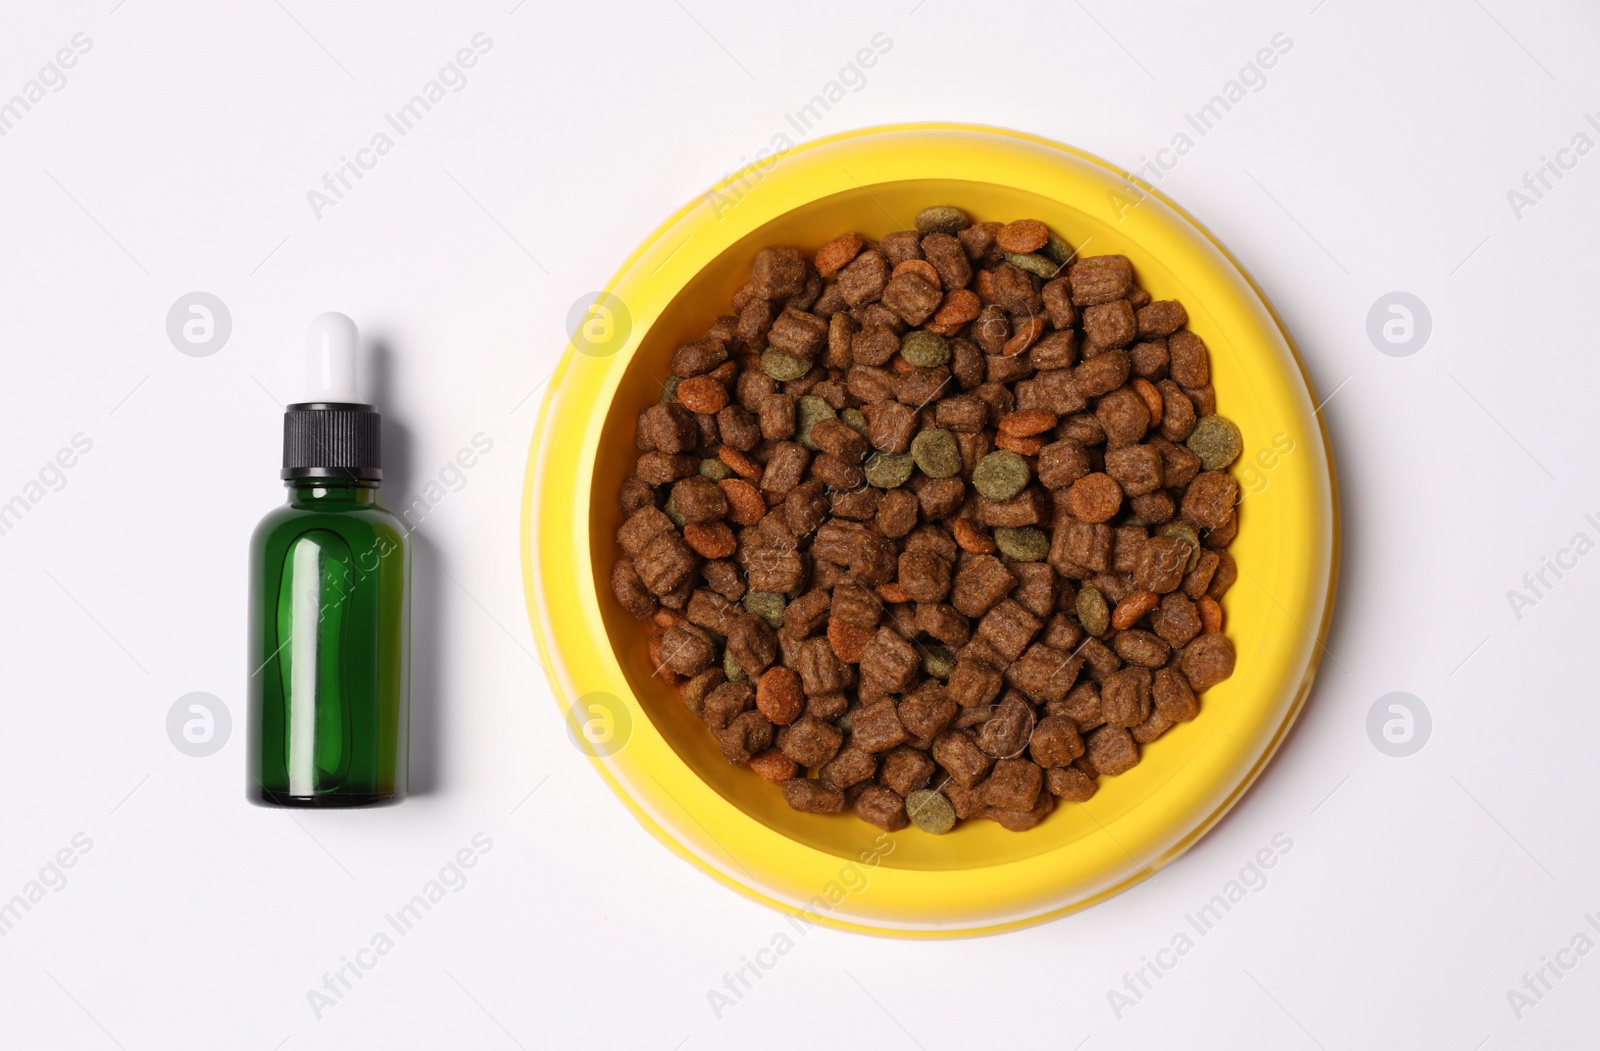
pixel 426 739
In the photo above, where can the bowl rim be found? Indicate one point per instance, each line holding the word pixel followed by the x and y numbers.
pixel 547 635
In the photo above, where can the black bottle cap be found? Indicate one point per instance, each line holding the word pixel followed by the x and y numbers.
pixel 331 439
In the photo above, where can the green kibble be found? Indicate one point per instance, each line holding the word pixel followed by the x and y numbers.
pixel 941 219
pixel 1026 544
pixel 1185 532
pixel 1057 248
pixel 1033 263
pixel 930 811
pixel 780 366
pixel 768 605
pixel 924 349
pixel 1001 475
pixel 669 389
pixel 1217 441
pixel 856 419
pixel 672 513
pixel 889 470
pixel 730 667
pixel 937 453
pixel 1093 613
pixel 808 412
pixel 938 662
pixel 848 719
pixel 715 470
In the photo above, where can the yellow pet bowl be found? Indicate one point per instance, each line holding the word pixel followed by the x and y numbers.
pixel 837 870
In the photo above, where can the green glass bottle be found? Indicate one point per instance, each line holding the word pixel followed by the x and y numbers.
pixel 329 685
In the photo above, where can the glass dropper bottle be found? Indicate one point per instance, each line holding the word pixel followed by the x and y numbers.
pixel 329 675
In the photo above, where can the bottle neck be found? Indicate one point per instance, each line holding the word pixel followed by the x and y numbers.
pixel 324 491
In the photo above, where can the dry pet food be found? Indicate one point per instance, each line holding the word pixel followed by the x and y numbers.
pixel 934 527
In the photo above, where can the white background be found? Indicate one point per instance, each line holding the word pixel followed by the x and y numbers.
pixel 178 157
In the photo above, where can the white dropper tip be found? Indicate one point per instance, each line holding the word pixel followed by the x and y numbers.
pixel 331 358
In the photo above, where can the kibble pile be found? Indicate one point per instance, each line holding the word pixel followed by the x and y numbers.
pixel 935 527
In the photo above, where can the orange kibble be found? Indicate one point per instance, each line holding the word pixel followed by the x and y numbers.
pixel 746 505
pixel 848 641
pixel 702 394
pixel 832 257
pixel 1094 497
pixel 710 539
pixel 774 766
pixel 1210 614
pixel 725 372
pixel 900 365
pixel 668 676
pixel 741 464
pixel 779 696
pixel 1130 609
pixel 1152 399
pixel 921 267
pixel 971 538
pixel 942 330
pixel 1027 332
pixel 892 592
pixel 960 306
pixel 666 618
pixel 1025 423
pixel 1023 236
pixel 984 286
pixel 1020 446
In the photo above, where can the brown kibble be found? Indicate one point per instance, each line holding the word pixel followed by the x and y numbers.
pixel 1162 318
pixel 1191 364
pixel 1013 784
pixel 1070 783
pixel 1095 497
pixel 882 807
pixel 1023 236
pixel 1131 609
pixel 1112 750
pixel 877 727
pixel 1055 742
pixel 1207 660
pixel 1100 279
pixel 1209 499
pixel 702 394
pixel 921 267
pixel 1109 324
pixel 809 742
pixel 1173 697
pixel 811 796
pixel 850 767
pixel 630 590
